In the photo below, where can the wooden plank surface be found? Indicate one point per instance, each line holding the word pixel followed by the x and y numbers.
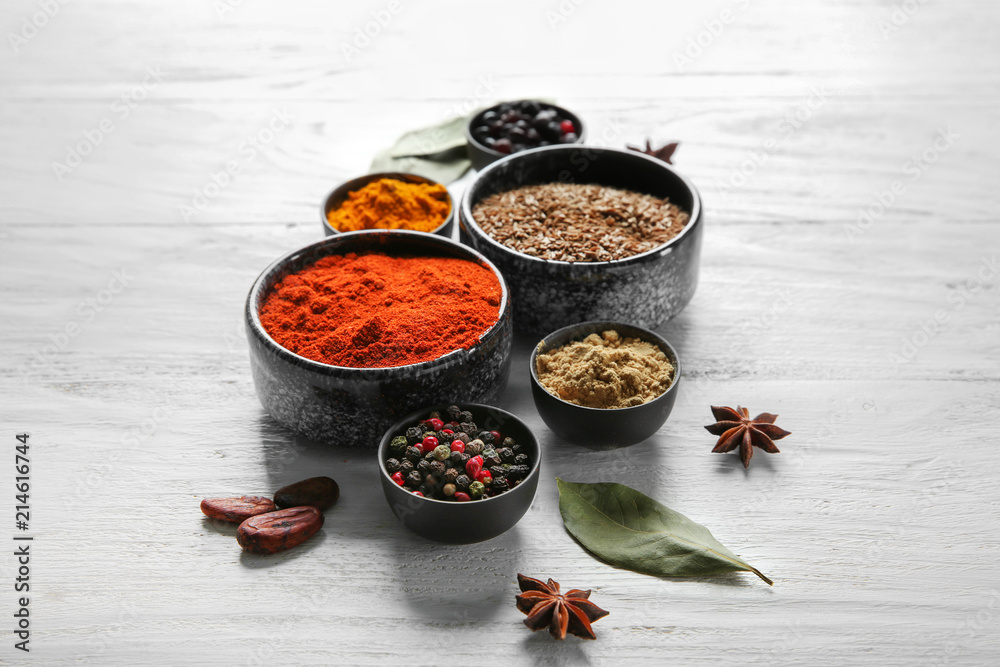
pixel 875 338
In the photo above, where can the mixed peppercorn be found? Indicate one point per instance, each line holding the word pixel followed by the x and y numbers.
pixel 455 460
pixel 517 126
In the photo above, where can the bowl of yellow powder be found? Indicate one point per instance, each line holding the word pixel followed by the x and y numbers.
pixel 389 200
pixel 604 384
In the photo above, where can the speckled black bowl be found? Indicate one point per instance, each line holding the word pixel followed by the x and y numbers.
pixel 595 427
pixel 468 522
pixel 481 155
pixel 646 289
pixel 353 407
pixel 339 195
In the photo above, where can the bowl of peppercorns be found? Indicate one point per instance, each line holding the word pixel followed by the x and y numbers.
pixel 459 473
pixel 513 127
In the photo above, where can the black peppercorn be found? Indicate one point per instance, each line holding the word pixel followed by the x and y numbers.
pixel 498 471
pixel 426 490
pixel 492 460
pixel 430 480
pixel 464 437
pixel 466 416
pixel 397 447
pixel 461 460
pixel 506 454
pixel 424 465
pixel 462 482
pixel 508 442
pixel 434 415
pixel 474 448
pixel 436 468
pixel 392 465
pixel 487 437
pixel 521 459
pixel 405 466
pixel 517 449
pixel 500 484
pixel 414 434
pixel 469 428
pixel 454 414
pixel 414 478
pixel 413 454
pixel 450 475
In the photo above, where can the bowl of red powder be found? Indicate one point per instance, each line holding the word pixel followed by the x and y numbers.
pixel 349 334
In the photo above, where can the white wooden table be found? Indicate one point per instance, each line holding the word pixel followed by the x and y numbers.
pixel 875 339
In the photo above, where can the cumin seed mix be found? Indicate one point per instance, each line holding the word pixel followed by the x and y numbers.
pixel 574 222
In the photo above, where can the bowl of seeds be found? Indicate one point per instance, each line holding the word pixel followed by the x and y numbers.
pixel 585 233
pixel 459 473
pixel 604 384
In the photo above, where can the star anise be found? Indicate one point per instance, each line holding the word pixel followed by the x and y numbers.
pixel 562 612
pixel 664 153
pixel 735 428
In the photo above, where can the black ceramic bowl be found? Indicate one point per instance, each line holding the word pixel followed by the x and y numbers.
pixel 646 289
pixel 354 406
pixel 595 427
pixel 468 522
pixel 482 155
pixel 339 194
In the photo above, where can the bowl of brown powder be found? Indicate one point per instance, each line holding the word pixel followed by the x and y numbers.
pixel 604 384
pixel 585 234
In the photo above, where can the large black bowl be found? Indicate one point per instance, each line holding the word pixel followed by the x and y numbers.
pixel 354 406
pixel 595 427
pixel 646 289
pixel 468 522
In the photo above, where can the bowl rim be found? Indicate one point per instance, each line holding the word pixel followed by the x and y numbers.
pixel 252 316
pixel 599 326
pixel 580 136
pixel 694 219
pixel 383 445
pixel 359 182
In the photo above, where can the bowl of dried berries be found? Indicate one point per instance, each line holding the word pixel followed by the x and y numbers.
pixel 349 334
pixel 459 473
pixel 604 384
pixel 513 127
pixel 586 233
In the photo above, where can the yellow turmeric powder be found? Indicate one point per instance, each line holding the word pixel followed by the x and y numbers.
pixel 391 204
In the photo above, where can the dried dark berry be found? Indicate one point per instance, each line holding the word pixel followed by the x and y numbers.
pixel 414 478
pixel 413 454
pixel 428 491
pixel 500 484
pixel 521 459
pixel 462 481
pixel 506 454
pixel 405 466
pixel 498 471
pixel 466 416
pixel 474 447
pixel 486 437
pixel 518 472
pixel 464 437
pixel 397 447
pixel 437 468
pixel 424 465
pixel 414 434
pixel 434 415
pixel 431 481
pixel 450 475
pixel 454 414
pixel 392 465
pixel 517 449
pixel 492 460
pixel 469 428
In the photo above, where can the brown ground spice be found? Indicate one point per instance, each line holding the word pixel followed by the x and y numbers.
pixel 606 371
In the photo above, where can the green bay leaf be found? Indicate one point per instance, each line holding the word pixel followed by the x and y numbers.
pixel 630 530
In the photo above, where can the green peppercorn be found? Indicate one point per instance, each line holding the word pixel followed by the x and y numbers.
pixel 449 489
pixel 441 452
pixel 392 465
pixel 462 482
pixel 508 442
pixel 476 489
pixel 397 446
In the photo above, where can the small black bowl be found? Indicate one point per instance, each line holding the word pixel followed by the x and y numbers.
pixel 338 196
pixel 468 522
pixel 482 155
pixel 353 407
pixel 648 288
pixel 595 427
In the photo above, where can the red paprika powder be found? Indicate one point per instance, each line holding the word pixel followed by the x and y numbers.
pixel 374 310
